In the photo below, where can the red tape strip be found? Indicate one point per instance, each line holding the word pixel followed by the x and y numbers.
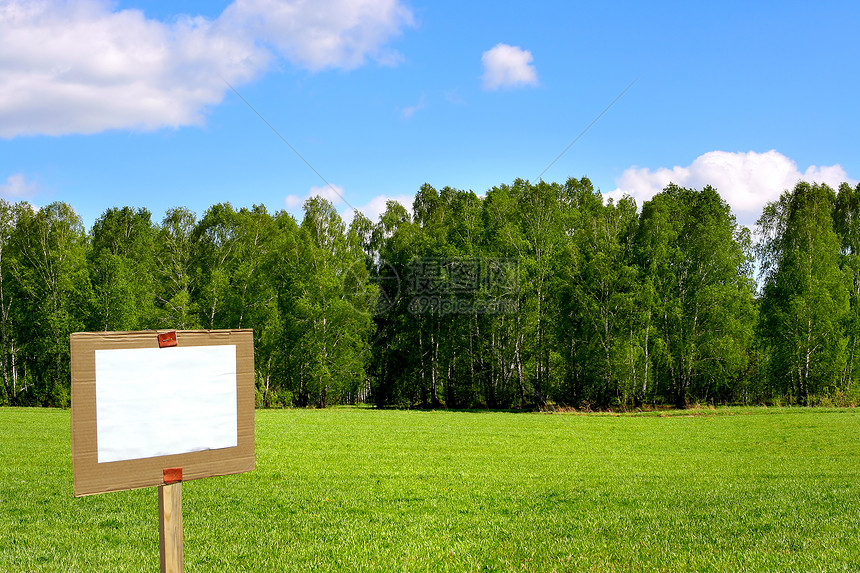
pixel 167 339
pixel 172 475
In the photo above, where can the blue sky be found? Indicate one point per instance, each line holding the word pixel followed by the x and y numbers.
pixel 107 104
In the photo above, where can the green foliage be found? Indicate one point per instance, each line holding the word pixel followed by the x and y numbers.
pixel 805 301
pixel 327 309
pixel 610 309
pixel 52 287
pixel 8 302
pixel 846 222
pixel 122 267
pixel 695 262
pixel 597 296
pixel 534 295
pixel 174 270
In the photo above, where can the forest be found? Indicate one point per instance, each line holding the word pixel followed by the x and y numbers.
pixel 534 295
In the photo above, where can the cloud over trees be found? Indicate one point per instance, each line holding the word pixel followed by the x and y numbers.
pixel 84 67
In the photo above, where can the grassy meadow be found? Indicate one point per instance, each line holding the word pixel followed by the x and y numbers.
pixel 351 489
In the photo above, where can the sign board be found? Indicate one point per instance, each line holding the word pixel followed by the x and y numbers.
pixel 140 407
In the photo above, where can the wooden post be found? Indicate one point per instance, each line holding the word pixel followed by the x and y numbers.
pixel 170 527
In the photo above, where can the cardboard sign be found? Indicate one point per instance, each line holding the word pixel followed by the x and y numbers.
pixel 140 407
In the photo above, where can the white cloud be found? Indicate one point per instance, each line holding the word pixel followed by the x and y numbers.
pixel 374 208
pixel 293 201
pixel 747 181
pixel 17 188
pixel 324 33
pixel 82 67
pixel 508 67
pixel 78 67
pixel 411 110
pixel 333 193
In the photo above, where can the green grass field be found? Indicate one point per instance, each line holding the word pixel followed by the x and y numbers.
pixel 364 490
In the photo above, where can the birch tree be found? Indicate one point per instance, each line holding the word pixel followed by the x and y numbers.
pixel 805 298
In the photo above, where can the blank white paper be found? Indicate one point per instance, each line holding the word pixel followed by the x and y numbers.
pixel 162 401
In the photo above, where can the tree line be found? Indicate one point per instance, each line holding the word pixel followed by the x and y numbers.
pixel 533 295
